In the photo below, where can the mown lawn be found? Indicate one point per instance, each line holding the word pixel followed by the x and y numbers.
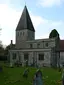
pixel 13 76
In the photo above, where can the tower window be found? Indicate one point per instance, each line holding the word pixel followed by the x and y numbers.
pixel 46 44
pixel 38 45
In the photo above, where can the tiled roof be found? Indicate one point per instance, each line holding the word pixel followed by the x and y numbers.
pixel 25 21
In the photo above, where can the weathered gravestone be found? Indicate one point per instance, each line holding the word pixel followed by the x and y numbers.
pixel 25 74
pixel 26 63
pixel 63 77
pixel 38 78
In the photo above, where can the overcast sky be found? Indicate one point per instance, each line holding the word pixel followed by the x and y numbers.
pixel 45 15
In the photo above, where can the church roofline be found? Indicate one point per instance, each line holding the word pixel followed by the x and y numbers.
pixel 39 40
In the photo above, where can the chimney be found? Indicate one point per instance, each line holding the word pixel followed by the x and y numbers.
pixel 11 42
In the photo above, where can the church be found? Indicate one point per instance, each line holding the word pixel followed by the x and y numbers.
pixel 37 52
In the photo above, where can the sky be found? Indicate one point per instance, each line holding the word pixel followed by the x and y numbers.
pixel 46 15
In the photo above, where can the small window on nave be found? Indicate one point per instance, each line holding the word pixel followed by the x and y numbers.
pixel 25 56
pixel 41 56
pixel 46 44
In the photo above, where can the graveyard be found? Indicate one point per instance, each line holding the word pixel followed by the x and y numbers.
pixel 14 75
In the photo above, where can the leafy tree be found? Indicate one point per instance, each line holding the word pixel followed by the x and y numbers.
pixel 54 34
pixel 8 48
pixel 2 51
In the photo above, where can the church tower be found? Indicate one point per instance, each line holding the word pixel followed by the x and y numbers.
pixel 25 30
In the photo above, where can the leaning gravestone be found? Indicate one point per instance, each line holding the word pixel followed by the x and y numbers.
pixel 38 78
pixel 25 74
pixel 34 80
pixel 26 63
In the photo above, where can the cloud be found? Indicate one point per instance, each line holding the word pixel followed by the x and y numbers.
pixel 8 22
pixel 42 36
pixel 43 26
pixel 50 3
pixel 9 19
pixel 37 20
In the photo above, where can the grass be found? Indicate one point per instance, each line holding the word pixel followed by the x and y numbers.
pixel 13 76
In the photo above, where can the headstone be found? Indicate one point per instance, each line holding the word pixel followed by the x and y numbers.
pixel 26 63
pixel 38 78
pixel 39 72
pixel 34 80
pixel 63 77
pixel 25 74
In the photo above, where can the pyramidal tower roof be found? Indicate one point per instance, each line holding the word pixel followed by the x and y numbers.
pixel 25 21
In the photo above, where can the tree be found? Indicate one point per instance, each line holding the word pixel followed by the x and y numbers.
pixel 8 48
pixel 54 34
pixel 2 51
